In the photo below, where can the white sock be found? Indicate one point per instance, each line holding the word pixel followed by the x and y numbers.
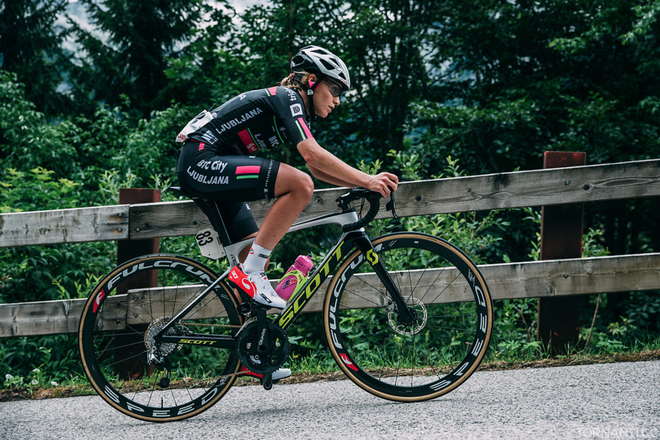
pixel 256 260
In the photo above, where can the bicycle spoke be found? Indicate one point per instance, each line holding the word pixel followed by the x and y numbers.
pixel 415 360
pixel 166 381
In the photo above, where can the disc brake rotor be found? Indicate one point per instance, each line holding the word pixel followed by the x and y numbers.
pixel 420 320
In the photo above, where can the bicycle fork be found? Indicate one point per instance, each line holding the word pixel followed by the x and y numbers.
pixel 405 314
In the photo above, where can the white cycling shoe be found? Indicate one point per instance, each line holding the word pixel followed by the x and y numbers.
pixel 257 287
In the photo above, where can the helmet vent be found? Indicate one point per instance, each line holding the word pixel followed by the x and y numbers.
pixel 327 65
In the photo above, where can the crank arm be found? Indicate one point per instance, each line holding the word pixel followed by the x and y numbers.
pixel 263 345
pixel 267 381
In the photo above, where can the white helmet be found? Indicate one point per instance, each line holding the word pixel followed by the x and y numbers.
pixel 315 59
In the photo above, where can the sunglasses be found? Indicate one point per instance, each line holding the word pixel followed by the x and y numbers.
pixel 335 89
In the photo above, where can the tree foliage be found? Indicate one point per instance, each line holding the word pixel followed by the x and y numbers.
pixel 528 77
pixel 130 57
pixel 31 47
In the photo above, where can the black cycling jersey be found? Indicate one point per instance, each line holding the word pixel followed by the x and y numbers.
pixel 216 161
pixel 257 120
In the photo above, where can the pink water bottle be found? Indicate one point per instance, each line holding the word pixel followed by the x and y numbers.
pixel 293 278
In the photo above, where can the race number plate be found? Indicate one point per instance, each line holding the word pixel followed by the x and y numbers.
pixel 209 244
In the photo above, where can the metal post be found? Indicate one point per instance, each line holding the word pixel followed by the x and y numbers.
pixel 132 343
pixel 561 237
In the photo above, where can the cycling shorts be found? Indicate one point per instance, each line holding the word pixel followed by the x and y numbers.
pixel 230 180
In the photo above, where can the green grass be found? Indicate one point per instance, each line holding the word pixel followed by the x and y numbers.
pixel 320 366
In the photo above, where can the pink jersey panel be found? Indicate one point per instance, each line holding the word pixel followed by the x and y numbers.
pixel 248 169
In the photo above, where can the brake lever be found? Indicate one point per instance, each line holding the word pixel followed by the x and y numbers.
pixel 391 206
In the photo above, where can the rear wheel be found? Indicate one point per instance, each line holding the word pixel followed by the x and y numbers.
pixel 133 372
pixel 420 360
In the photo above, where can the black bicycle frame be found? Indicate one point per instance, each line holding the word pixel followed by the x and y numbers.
pixel 346 243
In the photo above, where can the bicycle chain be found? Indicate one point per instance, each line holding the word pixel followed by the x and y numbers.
pixel 197 324
pixel 247 321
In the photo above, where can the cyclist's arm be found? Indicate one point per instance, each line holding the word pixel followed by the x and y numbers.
pixel 328 178
pixel 329 165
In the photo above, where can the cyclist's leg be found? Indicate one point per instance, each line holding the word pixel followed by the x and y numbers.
pixel 240 223
pixel 244 179
pixel 226 178
pixel 294 190
pixel 240 179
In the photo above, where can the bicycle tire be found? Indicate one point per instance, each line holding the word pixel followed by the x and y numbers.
pixel 444 345
pixel 126 308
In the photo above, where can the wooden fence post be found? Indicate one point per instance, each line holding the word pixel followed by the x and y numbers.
pixel 561 237
pixel 132 344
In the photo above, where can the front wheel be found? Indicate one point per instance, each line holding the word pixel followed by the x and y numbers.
pixel 414 361
pixel 126 364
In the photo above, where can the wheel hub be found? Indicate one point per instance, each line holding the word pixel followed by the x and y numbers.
pixel 417 309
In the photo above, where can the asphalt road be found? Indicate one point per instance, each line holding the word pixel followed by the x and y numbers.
pixel 593 401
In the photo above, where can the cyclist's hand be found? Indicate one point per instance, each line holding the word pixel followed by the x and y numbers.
pixel 383 183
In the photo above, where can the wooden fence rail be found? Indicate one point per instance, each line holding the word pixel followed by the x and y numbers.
pixel 536 279
pixel 474 193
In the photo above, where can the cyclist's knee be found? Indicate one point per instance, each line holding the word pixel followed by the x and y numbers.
pixel 306 186
pixel 295 182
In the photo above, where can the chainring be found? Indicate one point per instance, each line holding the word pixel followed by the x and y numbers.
pixel 266 362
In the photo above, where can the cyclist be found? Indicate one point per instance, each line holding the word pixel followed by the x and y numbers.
pixel 217 160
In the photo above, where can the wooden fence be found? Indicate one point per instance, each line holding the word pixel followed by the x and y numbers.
pixel 474 193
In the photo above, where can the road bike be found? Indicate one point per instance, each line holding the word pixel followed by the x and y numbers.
pixel 407 317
